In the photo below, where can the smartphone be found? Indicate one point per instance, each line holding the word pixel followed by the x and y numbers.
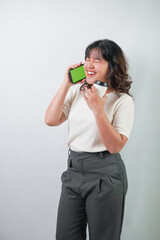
pixel 77 74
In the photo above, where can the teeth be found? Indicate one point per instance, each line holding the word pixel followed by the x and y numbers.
pixel 91 73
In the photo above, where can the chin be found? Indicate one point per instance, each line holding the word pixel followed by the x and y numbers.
pixel 90 81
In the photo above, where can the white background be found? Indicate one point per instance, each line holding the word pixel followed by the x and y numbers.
pixel 38 41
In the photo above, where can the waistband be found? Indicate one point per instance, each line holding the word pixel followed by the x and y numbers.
pixel 75 154
pixel 92 160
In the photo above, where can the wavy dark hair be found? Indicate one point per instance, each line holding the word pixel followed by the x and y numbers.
pixel 118 65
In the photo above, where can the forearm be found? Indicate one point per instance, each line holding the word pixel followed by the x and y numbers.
pixel 54 110
pixel 109 135
pixel 54 116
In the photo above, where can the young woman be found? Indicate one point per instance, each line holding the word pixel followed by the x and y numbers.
pixel 95 183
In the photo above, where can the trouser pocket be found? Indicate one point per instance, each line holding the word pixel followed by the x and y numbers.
pixel 123 175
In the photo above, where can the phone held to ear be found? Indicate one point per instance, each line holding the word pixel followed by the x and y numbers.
pixel 77 74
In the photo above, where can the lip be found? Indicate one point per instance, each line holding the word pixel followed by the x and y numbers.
pixel 89 75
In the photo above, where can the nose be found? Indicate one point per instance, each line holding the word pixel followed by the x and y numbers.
pixel 90 64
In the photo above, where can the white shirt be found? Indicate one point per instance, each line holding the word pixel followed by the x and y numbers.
pixel 83 135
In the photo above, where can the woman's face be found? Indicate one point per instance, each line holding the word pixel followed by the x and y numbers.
pixel 96 67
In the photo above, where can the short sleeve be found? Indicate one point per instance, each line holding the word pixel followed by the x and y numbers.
pixel 67 103
pixel 124 115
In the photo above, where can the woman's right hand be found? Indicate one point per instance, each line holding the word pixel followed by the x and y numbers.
pixel 67 80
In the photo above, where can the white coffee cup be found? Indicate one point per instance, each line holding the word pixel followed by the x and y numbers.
pixel 101 88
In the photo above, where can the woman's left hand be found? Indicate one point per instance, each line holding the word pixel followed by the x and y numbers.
pixel 95 103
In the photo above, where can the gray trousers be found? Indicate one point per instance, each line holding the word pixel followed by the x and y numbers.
pixel 93 192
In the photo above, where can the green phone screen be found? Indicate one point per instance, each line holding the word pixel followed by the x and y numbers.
pixel 77 74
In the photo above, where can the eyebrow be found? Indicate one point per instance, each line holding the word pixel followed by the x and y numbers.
pixel 99 58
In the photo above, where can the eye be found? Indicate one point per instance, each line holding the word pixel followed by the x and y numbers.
pixel 97 60
pixel 87 59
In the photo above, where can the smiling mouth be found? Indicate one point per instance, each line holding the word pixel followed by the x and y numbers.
pixel 90 74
